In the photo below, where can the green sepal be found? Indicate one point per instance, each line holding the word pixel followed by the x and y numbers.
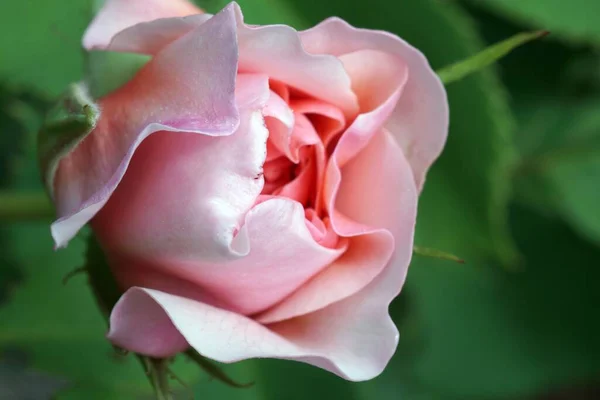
pixel 214 371
pixel 67 124
pixel 109 70
pixel 107 293
pixel 464 68
pixel 103 284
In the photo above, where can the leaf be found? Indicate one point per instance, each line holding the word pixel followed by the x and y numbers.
pixel 491 332
pixel 555 91
pixel 43 49
pixel 490 55
pixel 560 168
pixel 575 19
pixel 61 327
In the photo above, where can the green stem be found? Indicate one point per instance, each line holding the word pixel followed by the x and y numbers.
pixel 159 378
pixel 15 206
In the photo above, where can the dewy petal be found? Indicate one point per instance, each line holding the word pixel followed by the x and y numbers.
pixel 188 87
pixel 282 253
pixel 353 339
pixel 276 50
pixel 117 15
pixel 419 122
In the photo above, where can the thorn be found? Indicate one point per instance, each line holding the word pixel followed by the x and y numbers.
pixel 120 351
pixel 434 253
pixel 73 273
pixel 543 33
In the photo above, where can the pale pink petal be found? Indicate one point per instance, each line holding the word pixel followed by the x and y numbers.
pixel 282 253
pixel 280 121
pixel 376 76
pixel 289 131
pixel 354 338
pixel 420 121
pixel 376 207
pixel 143 327
pixel 150 37
pixel 189 208
pixel 327 119
pixel 276 50
pixel 366 256
pixel 188 87
pixel 372 243
pixel 117 15
pixel 252 91
pixel 376 190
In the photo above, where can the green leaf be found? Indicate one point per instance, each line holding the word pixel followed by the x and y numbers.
pixel 41 46
pixel 574 19
pixel 461 69
pixel 560 167
pixel 61 327
pixel 488 331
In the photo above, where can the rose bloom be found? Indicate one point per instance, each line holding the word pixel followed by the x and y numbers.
pixel 254 188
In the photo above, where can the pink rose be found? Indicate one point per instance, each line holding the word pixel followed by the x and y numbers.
pixel 254 188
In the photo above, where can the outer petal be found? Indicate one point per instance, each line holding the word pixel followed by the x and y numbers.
pixel 420 120
pixel 188 87
pixel 117 15
pixel 282 254
pixel 354 338
pixel 150 37
pixel 150 218
pixel 276 50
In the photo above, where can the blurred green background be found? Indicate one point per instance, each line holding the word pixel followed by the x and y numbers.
pixel 516 194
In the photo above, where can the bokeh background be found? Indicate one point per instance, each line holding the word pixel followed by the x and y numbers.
pixel 516 194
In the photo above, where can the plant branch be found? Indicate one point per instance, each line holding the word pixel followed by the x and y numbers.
pixel 25 206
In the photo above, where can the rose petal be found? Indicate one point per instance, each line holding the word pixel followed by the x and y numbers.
pixel 327 119
pixel 354 338
pixel 376 76
pixel 376 207
pixel 117 15
pixel 149 217
pixel 420 120
pixel 282 253
pixel 152 36
pixel 276 50
pixel 251 91
pixel 188 87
